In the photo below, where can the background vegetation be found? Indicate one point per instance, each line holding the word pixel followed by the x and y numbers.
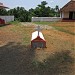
pixel 23 15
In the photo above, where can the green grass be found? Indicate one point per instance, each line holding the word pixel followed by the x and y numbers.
pixel 1 27
pixel 56 27
pixel 63 30
pixel 73 48
pixel 15 22
pixel 23 31
pixel 44 23
pixel 17 26
pixel 26 40
pixel 59 63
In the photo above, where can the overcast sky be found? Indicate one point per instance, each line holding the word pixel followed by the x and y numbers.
pixel 27 4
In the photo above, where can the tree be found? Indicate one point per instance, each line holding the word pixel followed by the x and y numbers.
pixel 3 12
pixel 57 10
pixel 30 14
pixel 43 3
pixel 41 10
pixel 20 13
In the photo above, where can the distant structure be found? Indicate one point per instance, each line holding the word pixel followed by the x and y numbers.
pixel 2 21
pixel 68 11
pixel 37 40
pixel 5 19
pixel 46 19
pixel 2 6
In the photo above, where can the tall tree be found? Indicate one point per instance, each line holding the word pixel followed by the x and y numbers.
pixel 57 10
pixel 3 12
pixel 41 10
pixel 44 3
pixel 20 13
pixel 30 14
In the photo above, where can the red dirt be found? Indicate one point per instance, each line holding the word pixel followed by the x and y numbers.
pixel 17 58
pixel 6 35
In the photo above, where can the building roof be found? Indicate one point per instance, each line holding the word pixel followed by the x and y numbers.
pixel 70 6
pixel 35 35
pixel 2 6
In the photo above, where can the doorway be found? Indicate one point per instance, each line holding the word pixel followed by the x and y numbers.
pixel 71 15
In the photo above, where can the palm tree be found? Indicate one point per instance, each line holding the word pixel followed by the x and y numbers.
pixel 57 10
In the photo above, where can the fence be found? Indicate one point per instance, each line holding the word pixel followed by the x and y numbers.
pixel 36 19
pixel 7 18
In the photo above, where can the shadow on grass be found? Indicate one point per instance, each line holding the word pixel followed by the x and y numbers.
pixel 60 63
pixel 16 59
pixel 1 25
pixel 19 59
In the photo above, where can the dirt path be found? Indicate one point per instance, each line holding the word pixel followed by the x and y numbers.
pixel 35 25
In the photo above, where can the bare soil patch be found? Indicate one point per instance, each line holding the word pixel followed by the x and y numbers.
pixel 17 57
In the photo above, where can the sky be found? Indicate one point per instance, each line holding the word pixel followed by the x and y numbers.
pixel 27 4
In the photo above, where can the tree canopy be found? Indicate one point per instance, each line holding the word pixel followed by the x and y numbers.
pixel 21 14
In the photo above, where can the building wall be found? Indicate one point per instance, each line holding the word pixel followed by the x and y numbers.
pixel 37 19
pixel 7 18
pixel 65 14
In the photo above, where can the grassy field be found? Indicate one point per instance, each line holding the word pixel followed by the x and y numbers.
pixel 68 27
pixel 17 57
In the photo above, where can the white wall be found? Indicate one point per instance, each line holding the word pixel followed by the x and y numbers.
pixel 65 14
pixel 7 18
pixel 35 19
